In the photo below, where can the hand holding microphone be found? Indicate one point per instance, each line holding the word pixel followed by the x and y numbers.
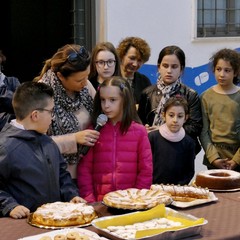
pixel 101 121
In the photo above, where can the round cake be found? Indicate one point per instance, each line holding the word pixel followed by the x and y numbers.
pixel 218 179
pixel 63 214
pixel 133 198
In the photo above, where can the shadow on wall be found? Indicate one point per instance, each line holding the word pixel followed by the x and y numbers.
pixel 199 78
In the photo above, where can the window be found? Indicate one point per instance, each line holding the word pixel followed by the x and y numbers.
pixel 218 18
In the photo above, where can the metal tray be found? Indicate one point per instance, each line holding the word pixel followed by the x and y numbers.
pixel 91 235
pixel 167 235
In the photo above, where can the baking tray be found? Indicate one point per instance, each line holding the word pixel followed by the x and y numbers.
pixel 167 234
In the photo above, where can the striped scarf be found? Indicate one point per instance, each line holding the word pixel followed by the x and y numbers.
pixel 166 91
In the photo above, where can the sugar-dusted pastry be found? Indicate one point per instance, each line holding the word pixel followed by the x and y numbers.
pixel 133 198
pixel 62 214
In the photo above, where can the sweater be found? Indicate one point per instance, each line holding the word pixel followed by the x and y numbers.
pixel 173 162
pixel 221 123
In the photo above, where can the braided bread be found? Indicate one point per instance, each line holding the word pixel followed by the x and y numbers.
pixel 183 193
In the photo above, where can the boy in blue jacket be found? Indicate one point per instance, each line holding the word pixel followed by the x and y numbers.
pixel 32 170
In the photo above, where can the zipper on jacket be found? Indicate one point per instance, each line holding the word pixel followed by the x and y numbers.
pixel 114 157
pixel 52 176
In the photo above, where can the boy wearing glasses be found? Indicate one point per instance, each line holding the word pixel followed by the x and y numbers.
pixel 32 170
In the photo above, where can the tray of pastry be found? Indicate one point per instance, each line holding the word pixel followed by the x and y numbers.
pixel 59 215
pixel 35 224
pixel 136 199
pixel 70 233
pixel 187 195
pixel 157 223
pixel 195 202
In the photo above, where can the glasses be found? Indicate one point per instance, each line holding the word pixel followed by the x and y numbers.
pixel 81 56
pixel 109 63
pixel 46 110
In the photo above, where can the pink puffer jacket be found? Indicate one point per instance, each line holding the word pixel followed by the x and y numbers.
pixel 116 162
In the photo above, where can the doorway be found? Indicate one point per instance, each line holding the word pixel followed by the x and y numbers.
pixel 31 32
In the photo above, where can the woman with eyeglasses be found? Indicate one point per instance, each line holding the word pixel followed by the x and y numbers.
pixel 67 73
pixel 133 53
pixel 104 63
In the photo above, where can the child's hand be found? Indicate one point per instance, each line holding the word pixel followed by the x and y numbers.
pixel 19 212
pixel 221 163
pixel 151 128
pixel 78 200
pixel 231 164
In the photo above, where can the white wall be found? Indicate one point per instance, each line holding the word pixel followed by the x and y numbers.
pixel 160 23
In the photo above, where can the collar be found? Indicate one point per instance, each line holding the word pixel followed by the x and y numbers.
pixel 170 136
pixel 16 124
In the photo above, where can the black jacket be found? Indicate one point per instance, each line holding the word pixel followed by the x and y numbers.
pixel 151 97
pixel 7 88
pixel 32 171
pixel 139 83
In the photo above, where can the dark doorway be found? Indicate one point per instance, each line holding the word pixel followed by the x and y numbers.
pixel 31 31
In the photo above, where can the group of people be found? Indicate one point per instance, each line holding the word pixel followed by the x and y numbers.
pixel 151 136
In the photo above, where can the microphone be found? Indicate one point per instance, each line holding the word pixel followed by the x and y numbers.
pixel 101 121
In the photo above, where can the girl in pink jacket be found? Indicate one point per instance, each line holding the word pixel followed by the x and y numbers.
pixel 122 157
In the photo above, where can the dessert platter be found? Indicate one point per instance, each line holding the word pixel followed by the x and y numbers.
pixel 157 223
pixel 218 180
pixel 62 215
pixel 66 234
pixel 186 196
pixel 136 199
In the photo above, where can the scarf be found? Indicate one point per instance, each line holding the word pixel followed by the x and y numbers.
pixel 170 136
pixel 167 91
pixel 64 120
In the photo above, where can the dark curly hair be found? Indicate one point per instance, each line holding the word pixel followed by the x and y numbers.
pixel 136 42
pixel 231 56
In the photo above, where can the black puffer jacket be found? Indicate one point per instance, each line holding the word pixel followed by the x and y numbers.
pixel 151 97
